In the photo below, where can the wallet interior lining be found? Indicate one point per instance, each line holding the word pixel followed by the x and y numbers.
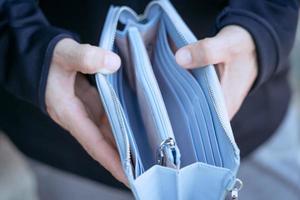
pixel 186 100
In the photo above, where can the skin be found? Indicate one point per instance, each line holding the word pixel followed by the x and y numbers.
pixel 233 53
pixel 75 105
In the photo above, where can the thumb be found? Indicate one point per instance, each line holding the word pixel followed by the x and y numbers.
pixel 85 58
pixel 202 53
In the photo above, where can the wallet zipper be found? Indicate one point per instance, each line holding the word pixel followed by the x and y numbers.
pixel 107 43
pixel 105 88
pixel 118 105
pixel 109 38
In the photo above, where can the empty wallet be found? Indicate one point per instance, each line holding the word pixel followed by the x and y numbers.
pixel 170 124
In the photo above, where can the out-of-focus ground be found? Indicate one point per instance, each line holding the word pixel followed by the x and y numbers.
pixel 272 172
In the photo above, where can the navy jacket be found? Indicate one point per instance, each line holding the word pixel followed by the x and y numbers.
pixel 30 30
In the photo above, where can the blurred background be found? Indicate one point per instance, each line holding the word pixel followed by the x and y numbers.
pixel 272 172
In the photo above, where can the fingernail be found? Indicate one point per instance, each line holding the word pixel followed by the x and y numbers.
pixel 183 57
pixel 112 63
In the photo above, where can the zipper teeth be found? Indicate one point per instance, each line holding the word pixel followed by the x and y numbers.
pixel 211 92
pixel 120 119
pixel 116 102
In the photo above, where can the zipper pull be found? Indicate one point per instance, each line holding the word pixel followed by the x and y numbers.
pixel 234 194
pixel 235 191
pixel 167 144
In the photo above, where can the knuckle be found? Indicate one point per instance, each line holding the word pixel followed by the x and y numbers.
pixel 206 51
pixel 86 56
pixel 206 57
pixel 232 52
pixel 206 44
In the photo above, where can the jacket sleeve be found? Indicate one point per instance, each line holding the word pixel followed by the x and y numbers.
pixel 26 45
pixel 272 24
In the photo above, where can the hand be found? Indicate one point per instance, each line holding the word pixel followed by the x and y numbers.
pixel 75 105
pixel 233 53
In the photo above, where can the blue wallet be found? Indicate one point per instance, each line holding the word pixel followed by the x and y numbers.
pixel 170 124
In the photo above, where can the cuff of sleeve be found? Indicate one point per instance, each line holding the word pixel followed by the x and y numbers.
pixel 54 37
pixel 264 36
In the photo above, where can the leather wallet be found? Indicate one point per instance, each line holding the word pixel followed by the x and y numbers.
pixel 170 124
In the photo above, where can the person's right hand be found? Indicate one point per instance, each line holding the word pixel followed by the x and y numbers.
pixel 75 105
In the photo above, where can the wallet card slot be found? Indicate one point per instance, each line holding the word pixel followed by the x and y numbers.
pixel 199 102
pixel 187 103
pixel 183 132
pixel 211 139
pixel 199 140
pixel 207 78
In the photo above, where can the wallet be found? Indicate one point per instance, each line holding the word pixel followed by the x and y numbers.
pixel 170 124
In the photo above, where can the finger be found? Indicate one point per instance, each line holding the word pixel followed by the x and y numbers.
pixel 107 131
pixel 89 136
pixel 90 97
pixel 86 58
pixel 202 53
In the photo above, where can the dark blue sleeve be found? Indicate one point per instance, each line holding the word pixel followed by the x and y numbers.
pixel 272 24
pixel 26 45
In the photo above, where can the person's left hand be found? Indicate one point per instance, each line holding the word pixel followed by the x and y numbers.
pixel 233 53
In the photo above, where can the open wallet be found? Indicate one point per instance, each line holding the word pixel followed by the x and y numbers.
pixel 170 124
